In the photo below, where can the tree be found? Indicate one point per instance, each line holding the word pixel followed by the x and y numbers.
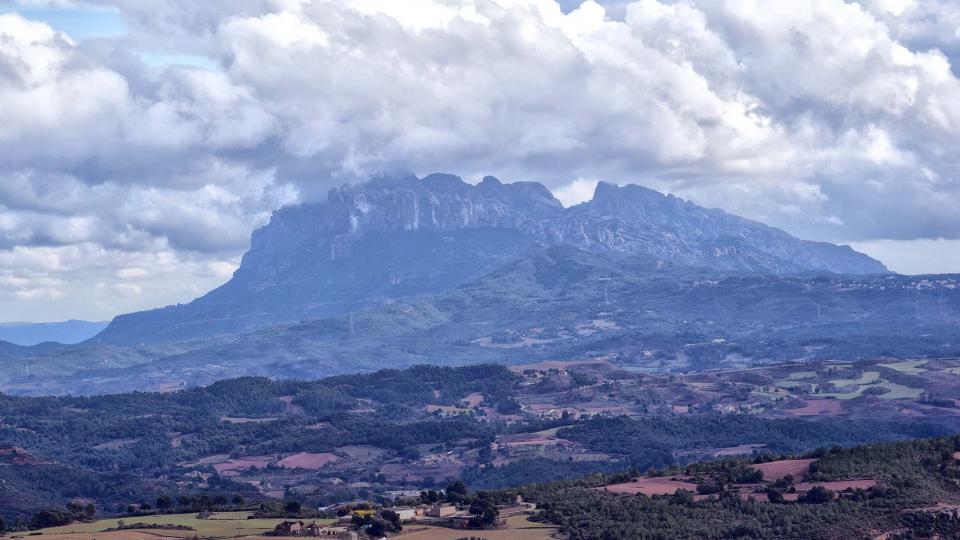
pixel 391 521
pixel 3 525
pixel 430 497
pixel 390 515
pixel 456 491
pixel 485 455
pixel 164 503
pixel 292 507
pixel 508 406
pixel 377 528
pixel 817 495
pixel 50 517
pixel 484 511
pixel 682 496
pixel 708 488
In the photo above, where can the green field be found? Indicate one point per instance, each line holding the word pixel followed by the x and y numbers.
pixel 552 432
pixel 847 395
pixel 867 378
pixel 220 525
pixel 798 375
pixel 910 367
pixel 899 391
pixel 870 379
pixel 768 395
pixel 236 525
pixel 791 384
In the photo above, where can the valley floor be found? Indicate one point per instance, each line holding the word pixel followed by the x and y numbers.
pixel 236 525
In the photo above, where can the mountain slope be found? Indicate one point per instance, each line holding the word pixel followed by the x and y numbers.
pixel 553 303
pixel 402 237
pixel 635 220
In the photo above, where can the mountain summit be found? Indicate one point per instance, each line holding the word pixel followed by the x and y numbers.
pixel 401 236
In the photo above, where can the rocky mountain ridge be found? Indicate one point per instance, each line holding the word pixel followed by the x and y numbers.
pixel 404 236
pixel 629 220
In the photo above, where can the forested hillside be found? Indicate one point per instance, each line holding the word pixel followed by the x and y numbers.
pixel 345 437
pixel 914 493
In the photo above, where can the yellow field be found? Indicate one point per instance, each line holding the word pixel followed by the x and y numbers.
pixel 113 535
pixel 236 526
pixel 221 525
pixel 518 528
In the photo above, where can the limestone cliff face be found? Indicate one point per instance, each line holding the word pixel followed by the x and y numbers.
pixel 403 236
pixel 634 220
pixel 439 202
pixel 631 220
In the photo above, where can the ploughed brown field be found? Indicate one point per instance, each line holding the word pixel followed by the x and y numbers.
pixel 307 460
pixel 232 467
pixel 775 470
pixel 772 471
pixel 816 407
pixel 652 486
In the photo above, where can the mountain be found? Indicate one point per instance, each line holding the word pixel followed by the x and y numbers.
pixel 551 303
pixel 634 220
pixel 67 332
pixel 9 350
pixel 402 236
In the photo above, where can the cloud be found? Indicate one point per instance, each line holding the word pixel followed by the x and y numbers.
pixel 835 120
pixel 50 282
pixel 576 192
pixel 925 256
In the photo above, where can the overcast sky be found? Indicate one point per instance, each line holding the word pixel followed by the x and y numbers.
pixel 142 141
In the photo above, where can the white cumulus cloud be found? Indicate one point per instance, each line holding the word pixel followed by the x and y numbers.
pixel 836 120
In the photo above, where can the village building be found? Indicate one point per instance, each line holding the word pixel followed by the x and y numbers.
pixel 288 528
pixel 403 494
pixel 298 528
pixel 406 513
pixel 442 510
pixel 460 520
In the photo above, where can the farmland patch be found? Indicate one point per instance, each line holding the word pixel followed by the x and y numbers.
pixel 307 460
pixel 652 486
pixel 775 470
pixel 910 367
